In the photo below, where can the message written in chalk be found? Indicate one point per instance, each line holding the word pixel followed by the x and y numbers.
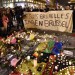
pixel 53 20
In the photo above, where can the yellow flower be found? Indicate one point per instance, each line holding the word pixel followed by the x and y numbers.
pixel 18 40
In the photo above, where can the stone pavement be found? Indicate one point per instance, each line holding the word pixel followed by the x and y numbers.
pixel 69 41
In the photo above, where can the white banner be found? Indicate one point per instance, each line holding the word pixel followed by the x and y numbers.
pixel 52 20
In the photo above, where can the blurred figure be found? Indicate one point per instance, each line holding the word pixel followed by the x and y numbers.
pixel 46 8
pixel 5 21
pixel 0 18
pixel 19 14
pixel 35 9
pixel 13 14
pixel 67 7
pixel 10 17
pixel 28 9
pixel 4 25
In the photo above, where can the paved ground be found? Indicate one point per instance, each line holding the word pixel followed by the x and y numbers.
pixel 68 41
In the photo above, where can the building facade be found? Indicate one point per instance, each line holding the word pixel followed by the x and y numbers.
pixel 23 3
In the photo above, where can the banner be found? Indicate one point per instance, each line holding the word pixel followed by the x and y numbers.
pixel 52 20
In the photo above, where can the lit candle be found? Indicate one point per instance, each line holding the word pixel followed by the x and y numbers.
pixel 35 62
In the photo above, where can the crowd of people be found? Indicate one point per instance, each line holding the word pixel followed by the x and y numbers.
pixel 7 16
pixel 10 15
